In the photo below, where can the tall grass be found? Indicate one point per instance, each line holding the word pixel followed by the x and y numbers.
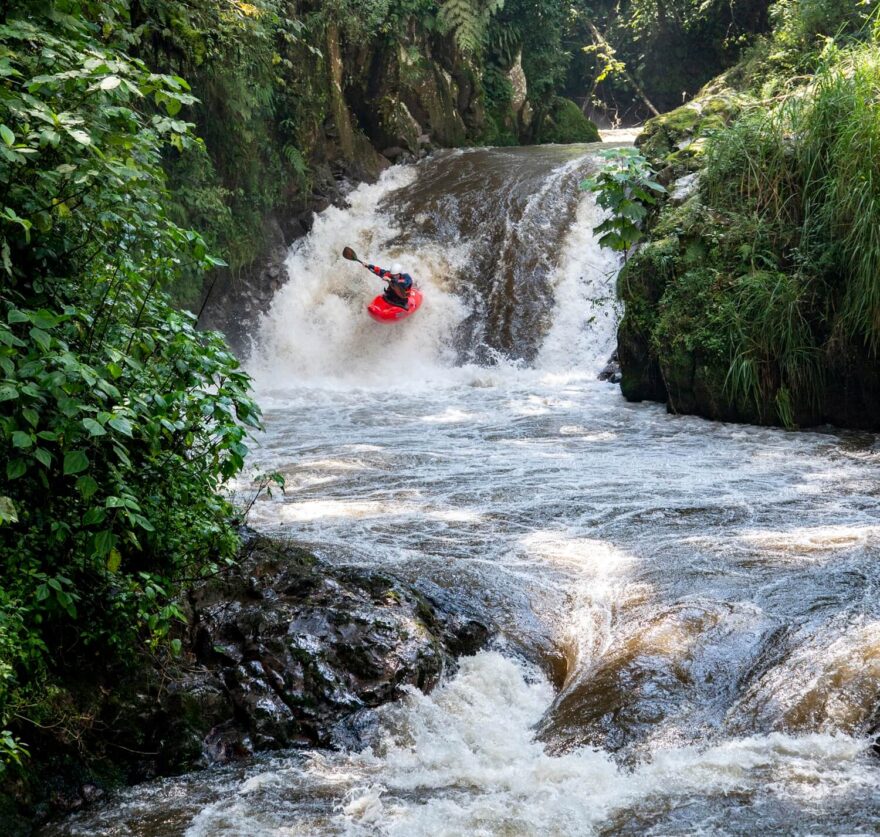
pixel 798 187
pixel 838 127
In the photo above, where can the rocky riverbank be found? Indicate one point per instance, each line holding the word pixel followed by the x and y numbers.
pixel 725 316
pixel 280 651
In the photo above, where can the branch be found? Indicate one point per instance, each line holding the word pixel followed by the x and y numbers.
pixel 601 41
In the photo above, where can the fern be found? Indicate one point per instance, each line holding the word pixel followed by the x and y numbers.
pixel 505 43
pixel 468 20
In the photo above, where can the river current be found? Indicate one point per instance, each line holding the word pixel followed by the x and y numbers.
pixel 688 612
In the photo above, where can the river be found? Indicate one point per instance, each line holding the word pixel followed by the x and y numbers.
pixel 688 612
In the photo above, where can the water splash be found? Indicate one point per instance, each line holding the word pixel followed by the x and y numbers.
pixel 508 264
pixel 317 328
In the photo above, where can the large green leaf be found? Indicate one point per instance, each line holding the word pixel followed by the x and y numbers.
pixel 75 461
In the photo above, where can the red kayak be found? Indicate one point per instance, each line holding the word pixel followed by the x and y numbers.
pixel 383 311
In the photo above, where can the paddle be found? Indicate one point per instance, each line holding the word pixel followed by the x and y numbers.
pixel 350 254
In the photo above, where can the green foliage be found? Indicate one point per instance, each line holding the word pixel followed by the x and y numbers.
pixel 541 25
pixel 499 129
pixel 468 20
pixel 243 59
pixel 119 421
pixel 695 316
pixel 803 27
pixel 786 218
pixel 663 50
pixel 775 353
pixel 838 131
pixel 802 187
pixel 627 189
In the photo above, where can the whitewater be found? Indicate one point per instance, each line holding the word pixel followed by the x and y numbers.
pixel 688 618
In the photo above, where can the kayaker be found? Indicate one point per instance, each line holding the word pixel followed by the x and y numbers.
pixel 399 284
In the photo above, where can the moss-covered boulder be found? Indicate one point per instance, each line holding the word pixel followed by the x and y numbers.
pixel 431 96
pixel 690 338
pixel 566 123
pixel 280 651
pixel 640 285
pixel 675 141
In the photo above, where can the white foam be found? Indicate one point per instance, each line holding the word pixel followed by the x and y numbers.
pixel 317 333
pixel 584 330
pixel 317 329
pixel 465 761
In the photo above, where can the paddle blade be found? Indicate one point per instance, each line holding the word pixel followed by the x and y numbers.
pixel 350 254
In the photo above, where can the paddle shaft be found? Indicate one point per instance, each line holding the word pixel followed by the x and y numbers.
pixel 348 253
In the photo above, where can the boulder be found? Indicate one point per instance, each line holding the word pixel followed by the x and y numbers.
pixel 286 650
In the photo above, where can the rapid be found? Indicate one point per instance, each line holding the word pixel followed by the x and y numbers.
pixel 688 612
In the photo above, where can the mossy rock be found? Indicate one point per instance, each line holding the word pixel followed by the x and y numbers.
pixel 691 339
pixel 641 284
pixel 431 97
pixel 398 126
pixel 498 130
pixel 566 124
pixel 677 139
pixel 646 273
pixel 641 378
pixel 684 219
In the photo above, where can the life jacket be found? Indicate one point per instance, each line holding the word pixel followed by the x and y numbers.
pixel 399 284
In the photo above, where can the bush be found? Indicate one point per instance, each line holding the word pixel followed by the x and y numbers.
pixel 119 421
pixel 626 188
pixel 790 216
pixel 802 27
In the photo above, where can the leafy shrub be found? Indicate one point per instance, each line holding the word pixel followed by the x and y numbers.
pixel 802 27
pixel 119 421
pixel 626 188
pixel 468 20
pixel 245 60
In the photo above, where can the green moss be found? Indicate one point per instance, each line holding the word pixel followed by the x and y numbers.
pixel 695 314
pixel 498 132
pixel 679 220
pixel 646 273
pixel 677 139
pixel 566 123
pixel 692 341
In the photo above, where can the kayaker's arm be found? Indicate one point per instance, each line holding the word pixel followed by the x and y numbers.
pixel 380 271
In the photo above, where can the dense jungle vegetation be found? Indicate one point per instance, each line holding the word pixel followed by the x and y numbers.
pixel 144 143
pixel 119 421
pixel 757 297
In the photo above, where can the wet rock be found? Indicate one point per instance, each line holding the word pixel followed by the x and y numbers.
pixel 396 154
pixel 684 187
pixel 288 650
pixel 227 742
pixel 91 793
pixel 611 371
pixel 293 228
pixel 319 204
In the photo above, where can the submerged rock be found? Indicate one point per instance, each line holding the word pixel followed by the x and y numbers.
pixel 611 370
